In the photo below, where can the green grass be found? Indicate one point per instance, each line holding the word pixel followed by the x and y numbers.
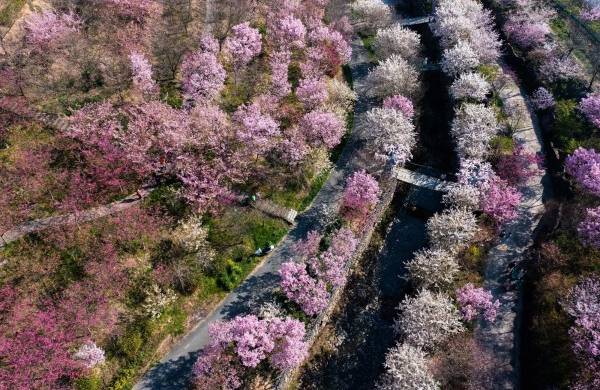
pixel 369 44
pixel 10 12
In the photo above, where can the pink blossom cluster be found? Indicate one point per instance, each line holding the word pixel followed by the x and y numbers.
pixel 591 14
pixel 243 343
pixel 142 74
pixel 361 193
pixel 542 99
pixel 590 107
pixel 135 9
pixel 44 28
pixel 327 52
pixel 584 166
pixel 500 201
pixel 583 304
pixel 244 43
pixel 475 300
pixel 312 92
pixel 288 32
pixel 526 32
pixel 299 287
pixel 589 228
pixel 400 103
pixel 309 246
pixel 517 167
pixel 330 266
pixel 322 128
pixel 203 76
pixel 256 128
pixel 280 63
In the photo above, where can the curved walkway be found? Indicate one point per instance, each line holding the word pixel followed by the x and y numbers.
pixel 504 260
pixel 173 371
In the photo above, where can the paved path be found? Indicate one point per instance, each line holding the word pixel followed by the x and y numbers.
pixel 416 21
pixel 501 337
pixel 173 371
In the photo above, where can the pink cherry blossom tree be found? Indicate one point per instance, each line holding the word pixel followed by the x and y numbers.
pixel 589 228
pixel 330 266
pixel 542 99
pixel 47 27
pixel 142 74
pixel 517 167
pixel 501 201
pixel 280 63
pixel 590 107
pixel 400 103
pixel 475 300
pixel 258 130
pixel 299 287
pixel 287 33
pixel 322 128
pixel 244 44
pixel 312 92
pixel 360 195
pixel 203 76
pixel 584 166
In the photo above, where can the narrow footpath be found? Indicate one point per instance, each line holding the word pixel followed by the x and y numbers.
pixel 173 371
pixel 503 270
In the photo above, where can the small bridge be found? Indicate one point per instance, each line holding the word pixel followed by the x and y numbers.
pixel 421 180
pixel 416 21
pixel 275 210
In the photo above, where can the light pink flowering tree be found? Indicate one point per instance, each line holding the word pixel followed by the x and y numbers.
pixel 256 129
pixel 299 287
pixel 142 74
pixel 475 300
pixel 500 201
pixel 400 103
pixel 589 228
pixel 288 33
pixel 309 246
pixel 312 92
pixel 330 265
pixel 519 166
pixel 361 194
pixel 244 43
pixel 590 107
pixel 203 76
pixel 47 27
pixel 280 63
pixel 322 128
pixel 584 166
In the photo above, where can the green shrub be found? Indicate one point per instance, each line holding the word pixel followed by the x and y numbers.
pixel 176 319
pixel 231 277
pixel 130 343
pixel 171 95
pixel 166 198
pixel 92 382
pixel 568 126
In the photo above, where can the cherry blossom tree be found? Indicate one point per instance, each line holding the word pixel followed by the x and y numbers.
pixel 558 66
pixel 589 228
pixel 330 266
pixel 462 196
pixel 475 300
pixel 584 166
pixel 90 354
pixel 433 268
pixel 393 135
pixel 427 319
pixel 475 173
pixel 47 27
pixel 517 167
pixel 322 128
pixel 371 14
pixel 590 107
pixel 327 52
pixel 287 33
pixel 280 63
pixel 406 368
pixel 309 246
pixel 459 59
pixel 256 129
pixel 400 103
pixel 473 128
pixel 393 76
pixel 361 194
pixel 203 76
pixel 542 99
pixel 340 98
pixel 244 44
pixel 399 41
pixel 470 86
pixel 452 229
pixel 591 14
pixel 526 30
pixel 501 201
pixel 299 287
pixel 142 74
pixel 312 92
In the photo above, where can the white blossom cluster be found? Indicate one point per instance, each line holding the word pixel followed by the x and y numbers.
pixel 397 40
pixel 470 86
pixel 473 128
pixel 340 98
pixel 406 369
pixel 192 236
pixel 433 268
pixel 452 229
pixel 393 76
pixel 157 300
pixel 392 134
pixel 90 355
pixel 371 15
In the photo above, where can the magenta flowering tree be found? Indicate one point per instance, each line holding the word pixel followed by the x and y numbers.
pixel 203 76
pixel 312 92
pixel 256 129
pixel 475 300
pixel 589 228
pixel 322 128
pixel 500 201
pixel 208 44
pixel 299 287
pixel 309 246
pixel 244 43
pixel 583 304
pixel 329 50
pixel 584 166
pixel 519 166
pixel 243 343
pixel 400 103
pixel 542 99
pixel 280 63
pixel 47 27
pixel 142 74
pixel 590 107
pixel 330 265
pixel 361 194
pixel 288 33
pixel 526 31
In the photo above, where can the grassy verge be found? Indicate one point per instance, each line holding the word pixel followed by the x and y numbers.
pixel 10 12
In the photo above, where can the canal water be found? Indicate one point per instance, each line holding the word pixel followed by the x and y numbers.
pixel 352 348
